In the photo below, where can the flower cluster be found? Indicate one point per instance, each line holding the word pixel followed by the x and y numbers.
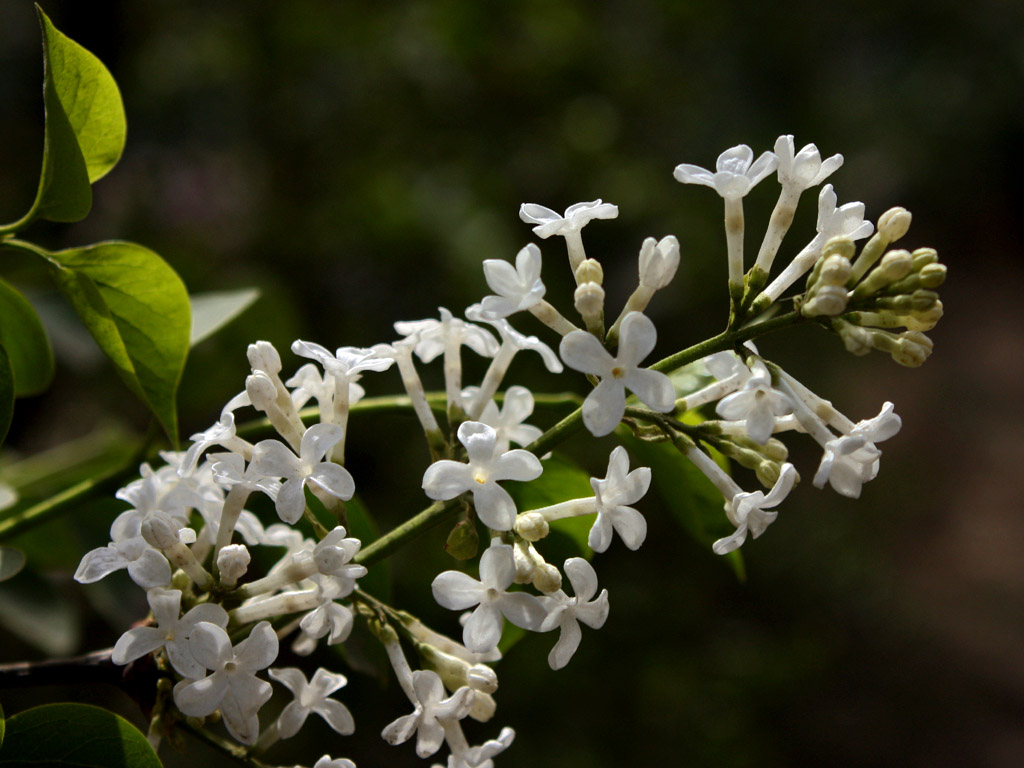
pixel 219 614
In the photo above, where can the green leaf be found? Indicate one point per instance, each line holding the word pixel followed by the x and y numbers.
pixel 691 498
pixel 2 725
pixel 137 309
pixel 79 735
pixel 6 394
pixel 90 98
pixel 27 345
pixel 11 562
pixel 561 480
pixel 215 309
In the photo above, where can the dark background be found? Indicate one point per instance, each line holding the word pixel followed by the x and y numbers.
pixel 356 161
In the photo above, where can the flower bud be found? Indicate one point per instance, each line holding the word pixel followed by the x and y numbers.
pixel 895 265
pixel 932 275
pixel 482 678
pixel 924 256
pixel 835 270
pixel 261 390
pixel 264 357
pixel 894 223
pixel 547 578
pixel 532 526
pixel 160 531
pixel 590 271
pixel 589 299
pixel 463 541
pixel 233 562
pixel 912 349
pixel 483 708
pixel 828 301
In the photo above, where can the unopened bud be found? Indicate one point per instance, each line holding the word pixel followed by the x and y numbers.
pixel 589 271
pixel 894 223
pixel 925 256
pixel 261 390
pixel 932 275
pixel 264 357
pixel 589 299
pixel 912 349
pixel 835 269
pixel 827 301
pixel 482 678
pixel 895 265
pixel 233 562
pixel 839 246
pixel 546 578
pixel 160 531
pixel 767 473
pixel 532 526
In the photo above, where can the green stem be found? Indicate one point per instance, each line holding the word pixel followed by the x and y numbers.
pixel 24 245
pixel 411 529
pixel 726 340
pixel 235 751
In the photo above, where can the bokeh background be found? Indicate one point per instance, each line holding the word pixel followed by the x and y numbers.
pixel 357 160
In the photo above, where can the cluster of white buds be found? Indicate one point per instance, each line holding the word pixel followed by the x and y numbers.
pixel 206 590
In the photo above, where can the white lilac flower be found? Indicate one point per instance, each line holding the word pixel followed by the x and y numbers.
pixel 748 511
pixel 329 619
pixel 756 403
pixel 311 697
pixel 566 612
pixel 736 172
pixel 146 566
pixel 567 225
pixel 232 685
pixel 508 421
pixel 432 335
pixel 458 591
pixel 308 383
pixel 485 466
pixel 222 433
pixel 804 169
pixel 844 221
pixel 272 458
pixel 605 405
pixel 333 557
pixel 851 460
pixel 517 288
pixel 576 217
pixel 171 632
pixel 431 709
pixel 613 494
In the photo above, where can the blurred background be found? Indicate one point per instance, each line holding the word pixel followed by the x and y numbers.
pixel 356 161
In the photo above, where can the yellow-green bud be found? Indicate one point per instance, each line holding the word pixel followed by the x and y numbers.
pixel 589 271
pixel 894 223
pixel 532 526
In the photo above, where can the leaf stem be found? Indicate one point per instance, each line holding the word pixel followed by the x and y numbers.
pixel 726 340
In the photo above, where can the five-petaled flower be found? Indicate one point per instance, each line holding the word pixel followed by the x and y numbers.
pixel 486 465
pixel 605 405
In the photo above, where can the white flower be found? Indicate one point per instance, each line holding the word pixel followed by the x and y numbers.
pixel 805 168
pixel 232 685
pixel 171 632
pixel 735 174
pixel 518 288
pixel 346 363
pixel 333 557
pixel 272 458
pixel 605 405
pixel 330 619
pixel 147 566
pixel 659 260
pixel 430 709
pixel 566 612
pixel 508 421
pixel 756 403
pixel 447 479
pixel 747 511
pixel 845 221
pixel 457 591
pixel 312 697
pixel 613 494
pixel 851 460
pixel 576 216
pixel 433 335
